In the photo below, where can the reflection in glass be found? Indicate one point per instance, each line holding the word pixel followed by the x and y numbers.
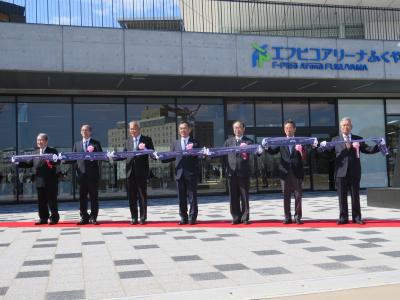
pixel 393 133
pixel 208 129
pixel 269 113
pixel 322 166
pixel 158 122
pixel 297 111
pixel 9 185
pixel 369 123
pixel 267 171
pixel 242 111
pixel 322 113
pixel 108 127
pixel 55 120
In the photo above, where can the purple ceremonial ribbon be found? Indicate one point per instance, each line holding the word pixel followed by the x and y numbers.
pixel 378 140
pixel 190 152
pixel 213 152
pixel 286 141
pixel 83 156
pixel 129 154
pixel 22 158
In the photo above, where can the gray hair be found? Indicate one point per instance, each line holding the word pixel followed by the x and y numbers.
pixel 43 136
pixel 345 119
pixel 133 123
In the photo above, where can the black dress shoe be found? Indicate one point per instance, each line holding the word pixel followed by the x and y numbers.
pixel 83 222
pixel 298 221
pixel 142 222
pixel 41 222
pixel 53 222
pixel 235 222
pixel 94 222
pixel 246 222
pixel 341 222
pixel 359 221
pixel 287 221
pixel 134 222
pixel 183 222
pixel 192 222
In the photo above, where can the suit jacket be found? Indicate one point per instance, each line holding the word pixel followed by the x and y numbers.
pixel 138 166
pixel 45 172
pixel 347 160
pixel 87 167
pixel 235 162
pixel 188 165
pixel 289 162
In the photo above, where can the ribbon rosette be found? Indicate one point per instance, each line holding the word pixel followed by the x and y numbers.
pixel 356 146
pixel 142 146
pixel 90 148
pixel 189 146
pixel 244 155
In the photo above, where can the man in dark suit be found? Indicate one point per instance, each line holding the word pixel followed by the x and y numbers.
pixel 291 173
pixel 238 170
pixel 137 172
pixel 348 171
pixel 186 174
pixel 88 174
pixel 46 182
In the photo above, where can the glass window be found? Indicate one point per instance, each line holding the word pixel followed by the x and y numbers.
pixel 51 118
pixel 322 113
pixel 297 110
pixel 393 106
pixel 393 134
pixel 269 113
pixel 369 123
pixel 157 120
pixel 208 129
pixel 242 111
pixel 9 185
pixel 108 127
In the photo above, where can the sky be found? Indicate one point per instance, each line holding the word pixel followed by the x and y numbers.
pixel 97 13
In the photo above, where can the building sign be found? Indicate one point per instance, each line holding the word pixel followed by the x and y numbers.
pixel 282 57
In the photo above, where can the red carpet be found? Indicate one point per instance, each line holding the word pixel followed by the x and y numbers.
pixel 215 224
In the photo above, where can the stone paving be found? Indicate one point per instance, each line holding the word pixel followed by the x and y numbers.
pixel 134 262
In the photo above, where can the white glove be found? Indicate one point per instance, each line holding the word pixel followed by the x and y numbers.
pixel 155 155
pixel 260 149
pixel 110 155
pixel 383 142
pixel 323 144
pixel 315 145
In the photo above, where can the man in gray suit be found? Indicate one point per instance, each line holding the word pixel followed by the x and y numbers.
pixel 238 171
pixel 186 174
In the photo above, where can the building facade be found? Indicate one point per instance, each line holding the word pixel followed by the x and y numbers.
pixel 54 78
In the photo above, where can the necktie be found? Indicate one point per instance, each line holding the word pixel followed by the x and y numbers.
pixel 85 145
pixel 184 143
pixel 290 149
pixel 237 142
pixel 134 144
pixel 41 151
pixel 347 139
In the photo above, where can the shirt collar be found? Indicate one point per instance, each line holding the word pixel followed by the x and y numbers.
pixel 349 135
pixel 238 138
pixel 137 138
pixel 86 140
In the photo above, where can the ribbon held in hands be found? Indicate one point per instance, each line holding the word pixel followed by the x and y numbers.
pixel 288 141
pixel 188 152
pixel 380 141
pixel 15 159
pixel 214 152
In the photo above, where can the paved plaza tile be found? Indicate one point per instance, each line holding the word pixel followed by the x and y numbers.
pixel 210 259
